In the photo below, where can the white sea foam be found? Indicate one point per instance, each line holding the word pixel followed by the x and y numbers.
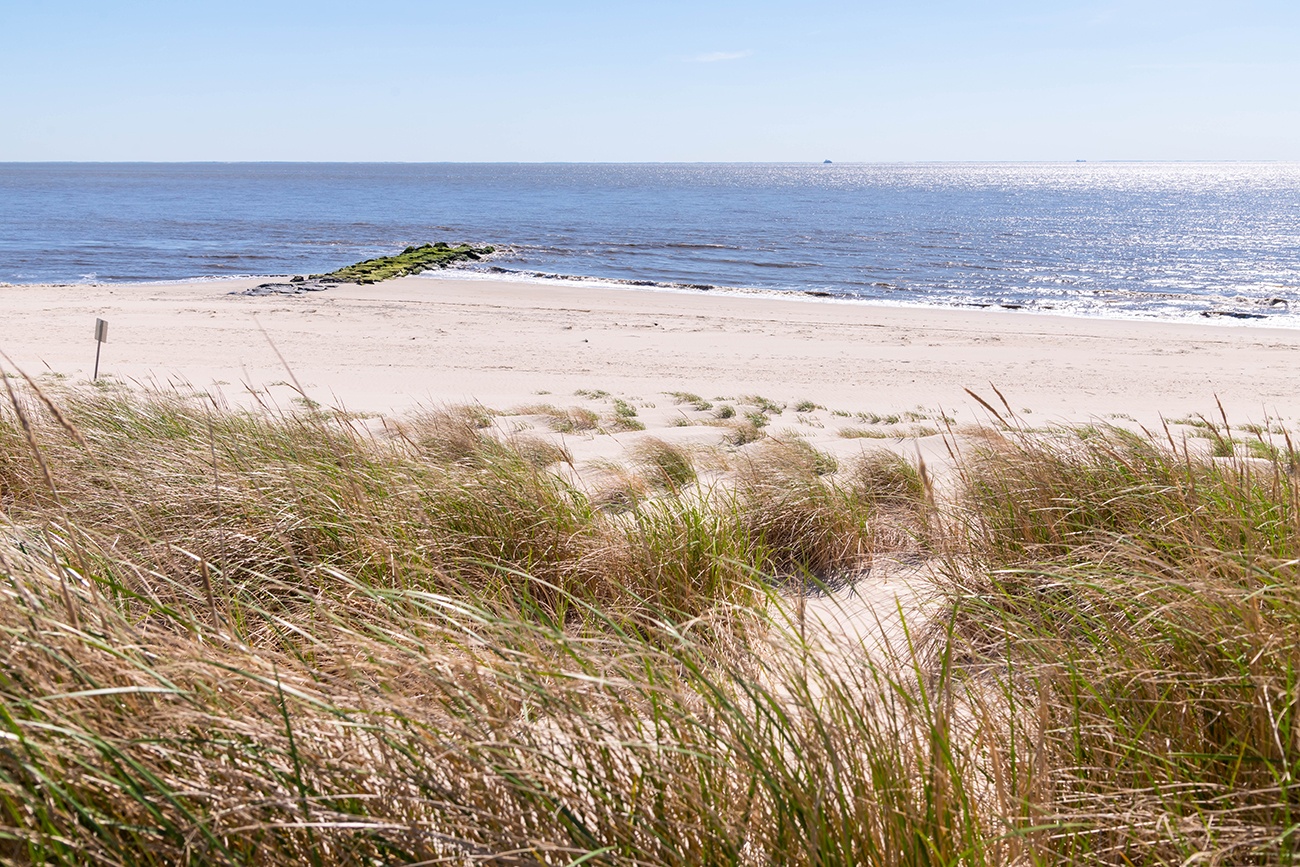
pixel 1173 307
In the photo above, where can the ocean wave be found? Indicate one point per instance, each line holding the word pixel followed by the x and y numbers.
pixel 579 278
pixel 1169 309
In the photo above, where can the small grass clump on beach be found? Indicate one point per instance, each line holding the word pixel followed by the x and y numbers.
pixel 809 522
pixel 850 433
pixel 696 402
pixel 450 434
pixel 745 431
pixel 306 637
pixel 624 417
pixel 764 406
pixel 412 260
pixel 575 419
pixel 877 418
pixel 666 465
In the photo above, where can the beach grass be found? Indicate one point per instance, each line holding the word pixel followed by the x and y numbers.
pixel 1144 597
pixel 304 637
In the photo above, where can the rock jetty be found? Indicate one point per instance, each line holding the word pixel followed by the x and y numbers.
pixel 412 260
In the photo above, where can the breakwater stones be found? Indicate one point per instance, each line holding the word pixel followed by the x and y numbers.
pixel 1270 303
pixel 412 260
pixel 295 286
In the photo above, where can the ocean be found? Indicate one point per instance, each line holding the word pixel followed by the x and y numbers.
pixel 1172 241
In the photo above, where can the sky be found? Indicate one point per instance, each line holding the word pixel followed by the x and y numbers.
pixel 398 80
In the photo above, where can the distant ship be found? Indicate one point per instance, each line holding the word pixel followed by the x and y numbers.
pixel 826 162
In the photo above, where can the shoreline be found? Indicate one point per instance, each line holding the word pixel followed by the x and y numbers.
pixel 419 340
pixel 1231 319
pixel 1223 318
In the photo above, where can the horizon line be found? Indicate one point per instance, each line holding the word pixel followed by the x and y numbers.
pixel 1062 160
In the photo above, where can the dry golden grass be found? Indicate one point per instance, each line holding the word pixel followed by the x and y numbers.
pixel 265 639
pixel 814 521
pixel 662 464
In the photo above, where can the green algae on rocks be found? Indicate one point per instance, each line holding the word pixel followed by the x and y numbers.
pixel 412 260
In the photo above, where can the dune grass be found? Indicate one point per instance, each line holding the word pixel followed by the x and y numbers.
pixel 1146 601
pixel 435 500
pixel 666 465
pixel 264 638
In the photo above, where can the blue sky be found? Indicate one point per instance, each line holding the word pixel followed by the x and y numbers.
pixel 395 80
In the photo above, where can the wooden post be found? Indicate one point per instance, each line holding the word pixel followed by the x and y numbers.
pixel 101 337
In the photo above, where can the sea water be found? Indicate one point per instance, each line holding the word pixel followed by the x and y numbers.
pixel 1152 240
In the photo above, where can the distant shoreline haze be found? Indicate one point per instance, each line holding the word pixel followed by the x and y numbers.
pixel 1148 239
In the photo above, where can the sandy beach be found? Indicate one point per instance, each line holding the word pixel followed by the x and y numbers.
pixel 413 341
pixel 675 427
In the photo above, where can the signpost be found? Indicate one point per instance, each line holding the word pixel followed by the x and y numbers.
pixel 101 337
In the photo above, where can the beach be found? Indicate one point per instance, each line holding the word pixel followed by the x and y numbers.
pixel 836 436
pixel 421 341
pixel 486 524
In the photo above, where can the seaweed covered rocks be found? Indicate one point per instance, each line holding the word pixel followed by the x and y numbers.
pixel 412 260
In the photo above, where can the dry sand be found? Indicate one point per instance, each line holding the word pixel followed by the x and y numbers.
pixel 427 340
pixel 892 376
